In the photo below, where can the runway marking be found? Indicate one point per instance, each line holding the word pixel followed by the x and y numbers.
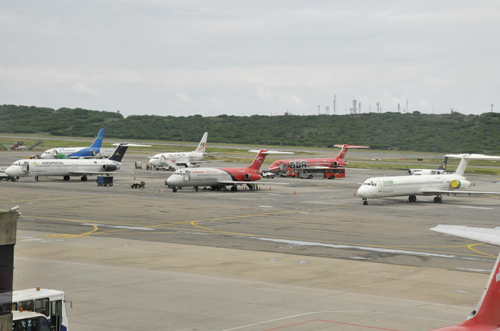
pixel 65 198
pixel 121 227
pixel 472 207
pixel 210 230
pixel 334 322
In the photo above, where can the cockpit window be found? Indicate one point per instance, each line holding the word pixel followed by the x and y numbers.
pixel 370 183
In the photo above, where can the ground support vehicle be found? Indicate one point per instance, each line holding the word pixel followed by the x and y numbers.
pixel 104 180
pixel 140 184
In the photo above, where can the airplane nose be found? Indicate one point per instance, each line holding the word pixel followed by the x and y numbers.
pixel 362 192
pixel 10 172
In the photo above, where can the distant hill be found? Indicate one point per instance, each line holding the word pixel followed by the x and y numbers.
pixel 447 133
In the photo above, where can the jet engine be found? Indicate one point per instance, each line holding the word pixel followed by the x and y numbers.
pixel 252 177
pixel 109 167
pixel 460 183
pixel 335 164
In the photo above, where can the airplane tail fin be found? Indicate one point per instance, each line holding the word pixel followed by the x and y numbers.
pixel 119 152
pixel 444 164
pixel 98 140
pixel 259 159
pixel 345 147
pixel 461 166
pixel 487 311
pixel 202 144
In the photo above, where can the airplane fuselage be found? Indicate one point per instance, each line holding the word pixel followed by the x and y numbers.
pixel 62 167
pixel 334 162
pixel 211 176
pixel 159 160
pixel 380 187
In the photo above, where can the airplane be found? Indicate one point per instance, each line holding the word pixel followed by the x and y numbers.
pixel 76 152
pixel 411 186
pixel 188 160
pixel 318 163
pixel 439 171
pixel 486 315
pixel 219 178
pixel 67 167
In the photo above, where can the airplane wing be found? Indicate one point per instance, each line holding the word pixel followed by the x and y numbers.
pixel 90 173
pixel 457 192
pixel 487 235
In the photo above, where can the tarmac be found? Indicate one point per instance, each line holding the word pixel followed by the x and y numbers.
pixel 306 256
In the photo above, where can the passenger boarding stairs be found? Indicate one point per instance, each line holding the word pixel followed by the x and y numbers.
pixel 26 170
pixel 34 145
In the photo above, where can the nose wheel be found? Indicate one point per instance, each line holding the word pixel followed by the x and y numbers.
pixel 365 202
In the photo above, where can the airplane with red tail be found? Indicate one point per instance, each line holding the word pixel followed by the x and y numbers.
pixel 219 178
pixel 486 316
pixel 315 163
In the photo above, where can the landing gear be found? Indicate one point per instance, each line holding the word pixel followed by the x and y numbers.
pixel 365 202
pixel 196 188
pixel 234 188
pixel 66 177
pixel 438 200
pixel 174 189
pixel 36 178
pixel 412 198
pixel 84 178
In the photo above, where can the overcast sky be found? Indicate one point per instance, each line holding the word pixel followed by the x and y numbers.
pixel 251 57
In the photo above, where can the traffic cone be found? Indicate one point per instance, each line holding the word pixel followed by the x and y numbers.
pixel 294 192
pixel 159 190
pixel 269 188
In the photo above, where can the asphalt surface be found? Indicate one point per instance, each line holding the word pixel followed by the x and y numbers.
pixel 305 256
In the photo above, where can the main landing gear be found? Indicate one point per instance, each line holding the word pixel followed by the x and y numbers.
pixel 438 199
pixel 84 178
pixel 412 198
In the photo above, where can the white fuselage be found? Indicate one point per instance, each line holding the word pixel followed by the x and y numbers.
pixel 52 153
pixel 379 187
pixel 198 177
pixel 58 167
pixel 160 160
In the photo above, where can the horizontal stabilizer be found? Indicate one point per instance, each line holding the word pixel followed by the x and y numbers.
pixel 269 152
pixel 351 146
pixel 130 145
pixel 474 157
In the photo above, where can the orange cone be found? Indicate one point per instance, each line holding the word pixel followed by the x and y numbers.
pixel 294 192
pixel 159 191
pixel 269 188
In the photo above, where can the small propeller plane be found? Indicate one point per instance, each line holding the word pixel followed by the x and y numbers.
pixel 219 178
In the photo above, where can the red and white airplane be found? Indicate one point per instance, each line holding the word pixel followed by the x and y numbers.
pixel 486 316
pixel 219 178
pixel 318 163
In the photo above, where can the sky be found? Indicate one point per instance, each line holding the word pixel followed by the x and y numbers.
pixel 239 57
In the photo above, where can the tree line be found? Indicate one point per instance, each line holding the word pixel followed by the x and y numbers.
pixel 445 133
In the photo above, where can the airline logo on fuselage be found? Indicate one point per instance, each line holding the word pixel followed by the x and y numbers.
pixel 298 164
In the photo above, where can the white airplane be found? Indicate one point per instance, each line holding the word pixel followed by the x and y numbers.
pixel 439 171
pixel 219 178
pixel 411 186
pixel 76 152
pixel 67 167
pixel 188 159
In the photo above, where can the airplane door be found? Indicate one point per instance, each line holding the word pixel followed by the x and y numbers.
pixel 379 185
pixel 187 176
pixel 56 315
pixel 162 159
pixel 26 167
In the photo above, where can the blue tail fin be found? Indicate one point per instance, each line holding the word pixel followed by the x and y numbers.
pixel 98 140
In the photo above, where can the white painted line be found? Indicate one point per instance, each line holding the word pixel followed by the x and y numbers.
pixel 120 227
pixel 471 207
